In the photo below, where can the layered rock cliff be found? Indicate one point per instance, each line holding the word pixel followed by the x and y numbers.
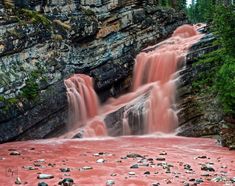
pixel 42 45
pixel 200 112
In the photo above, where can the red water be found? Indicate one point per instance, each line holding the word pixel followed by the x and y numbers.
pixel 82 99
pixel 155 72
pixel 75 154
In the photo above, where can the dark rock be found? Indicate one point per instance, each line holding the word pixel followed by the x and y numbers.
pixel 207 167
pixel 198 181
pixel 135 166
pixel 134 155
pixel 18 181
pixel 42 184
pixel 147 173
pixel 233 180
pixel 66 182
pixel 65 169
pixel 202 157
pixel 110 182
pixel 160 159
pixel 45 176
pixel 15 153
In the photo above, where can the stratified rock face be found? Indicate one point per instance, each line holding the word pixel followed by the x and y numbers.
pixel 38 51
pixel 199 115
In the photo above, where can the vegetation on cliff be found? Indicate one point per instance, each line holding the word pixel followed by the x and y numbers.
pixel 221 80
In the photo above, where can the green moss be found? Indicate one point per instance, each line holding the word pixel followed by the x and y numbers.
pixel 14 33
pixel 35 17
pixel 88 12
pixel 30 91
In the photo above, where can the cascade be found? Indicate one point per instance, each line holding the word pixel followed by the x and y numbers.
pixel 155 76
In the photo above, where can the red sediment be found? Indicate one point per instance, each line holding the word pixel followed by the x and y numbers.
pixel 75 154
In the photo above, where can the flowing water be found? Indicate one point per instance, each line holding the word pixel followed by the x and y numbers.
pixel 155 74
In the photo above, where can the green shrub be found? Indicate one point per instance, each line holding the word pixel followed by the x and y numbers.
pixel 225 85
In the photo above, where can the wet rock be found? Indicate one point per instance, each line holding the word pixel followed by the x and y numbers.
pixel 205 174
pixel 187 167
pixel 231 147
pixel 87 168
pixel 199 181
pixel 65 169
pixel 2 158
pixel 233 180
pixel 160 159
pixel 168 182
pixel 134 155
pixel 131 173
pixel 18 181
pixel 135 166
pixel 155 184
pixel 40 161
pixel 45 176
pixel 202 157
pixel 219 179
pixel 147 173
pixel 15 153
pixel 110 182
pixel 66 182
pixel 163 153
pixel 30 168
pixel 100 161
pixel 42 184
pixel 207 167
pixel 168 170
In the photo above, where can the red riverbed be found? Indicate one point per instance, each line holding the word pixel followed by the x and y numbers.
pixel 76 154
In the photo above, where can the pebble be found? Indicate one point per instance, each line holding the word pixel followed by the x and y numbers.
pixel 110 182
pixel 134 155
pixel 42 184
pixel 198 181
pixel 163 153
pixel 87 168
pixel 202 157
pixel 232 147
pixel 135 166
pixel 219 179
pixel 100 161
pixel 155 184
pixel 18 181
pixel 233 180
pixel 192 179
pixel 160 159
pixel 131 173
pixel 45 176
pixel 30 168
pixel 187 167
pixel 65 169
pixel 40 161
pixel 66 182
pixel 147 173
pixel 207 167
pixel 15 153
pixel 205 174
